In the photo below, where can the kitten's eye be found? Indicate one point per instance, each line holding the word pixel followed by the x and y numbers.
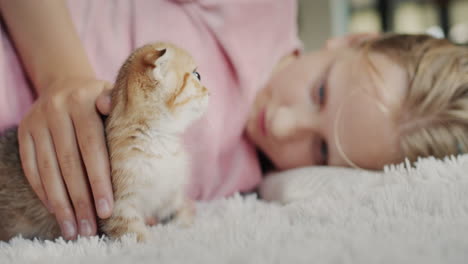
pixel 197 75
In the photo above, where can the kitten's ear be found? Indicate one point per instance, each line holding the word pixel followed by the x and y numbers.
pixel 158 59
pixel 151 57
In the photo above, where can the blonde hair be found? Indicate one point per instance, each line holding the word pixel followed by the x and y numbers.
pixel 434 118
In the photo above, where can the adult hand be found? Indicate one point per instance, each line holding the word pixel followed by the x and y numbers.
pixel 64 154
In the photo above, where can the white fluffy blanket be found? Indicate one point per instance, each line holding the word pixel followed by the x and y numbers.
pixel 327 215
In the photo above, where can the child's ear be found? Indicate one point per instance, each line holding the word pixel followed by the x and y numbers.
pixel 158 59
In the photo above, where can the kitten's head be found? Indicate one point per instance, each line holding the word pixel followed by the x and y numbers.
pixel 176 70
pixel 167 78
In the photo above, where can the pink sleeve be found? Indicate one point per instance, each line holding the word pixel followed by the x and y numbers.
pixel 16 96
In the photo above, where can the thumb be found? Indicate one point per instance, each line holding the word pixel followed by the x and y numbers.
pixel 103 102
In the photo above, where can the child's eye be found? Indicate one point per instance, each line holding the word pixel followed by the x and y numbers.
pixel 324 152
pixel 321 94
pixel 197 75
pixel 320 150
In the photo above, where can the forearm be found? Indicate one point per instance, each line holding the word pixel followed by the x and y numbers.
pixel 46 40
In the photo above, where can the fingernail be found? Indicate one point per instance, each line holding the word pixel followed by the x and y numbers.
pixel 103 207
pixel 68 229
pixel 85 228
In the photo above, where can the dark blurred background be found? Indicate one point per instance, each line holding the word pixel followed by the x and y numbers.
pixel 322 19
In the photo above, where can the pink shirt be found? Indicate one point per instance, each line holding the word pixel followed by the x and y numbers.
pixel 236 44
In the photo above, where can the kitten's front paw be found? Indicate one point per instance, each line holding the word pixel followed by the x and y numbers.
pixel 185 216
pixel 151 221
pixel 117 226
pixel 142 237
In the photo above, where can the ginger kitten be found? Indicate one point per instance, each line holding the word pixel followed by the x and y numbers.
pixel 157 95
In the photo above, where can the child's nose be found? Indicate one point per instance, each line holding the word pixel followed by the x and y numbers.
pixel 288 124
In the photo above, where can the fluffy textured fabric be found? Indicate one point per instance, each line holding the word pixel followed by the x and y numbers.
pixel 326 215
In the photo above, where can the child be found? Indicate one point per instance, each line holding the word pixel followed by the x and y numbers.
pixel 351 105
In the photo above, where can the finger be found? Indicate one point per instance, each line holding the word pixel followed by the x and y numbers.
pixel 91 141
pixel 53 183
pixel 73 173
pixel 103 102
pixel 28 162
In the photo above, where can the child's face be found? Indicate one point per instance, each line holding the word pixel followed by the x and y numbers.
pixel 330 108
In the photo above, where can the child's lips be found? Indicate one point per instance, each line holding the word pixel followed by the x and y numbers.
pixel 262 122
